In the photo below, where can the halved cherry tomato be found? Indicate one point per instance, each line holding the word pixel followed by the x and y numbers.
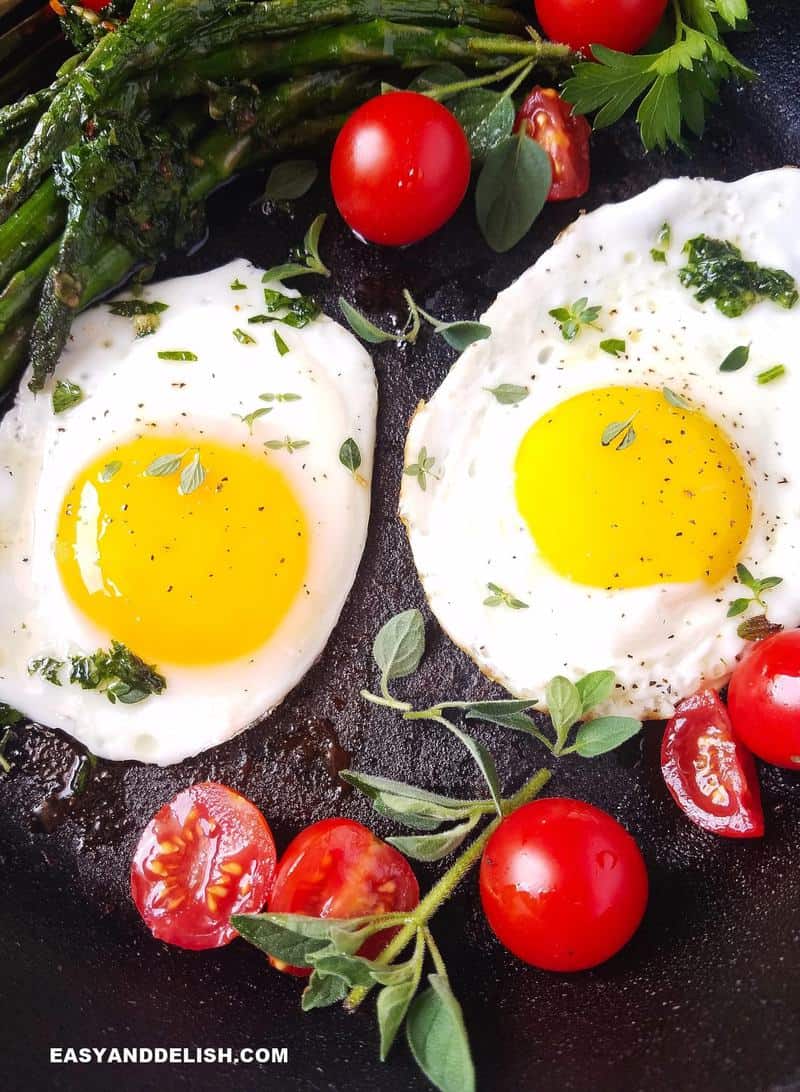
pixel 400 168
pixel 563 885
pixel 563 135
pixel 338 869
pixel 206 855
pixel 709 773
pixel 619 24
pixel 764 699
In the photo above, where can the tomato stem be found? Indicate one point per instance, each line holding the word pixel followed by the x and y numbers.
pixel 446 884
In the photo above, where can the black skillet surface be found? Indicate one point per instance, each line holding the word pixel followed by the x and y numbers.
pixel 706 997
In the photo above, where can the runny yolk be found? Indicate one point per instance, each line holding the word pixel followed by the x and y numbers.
pixel 195 579
pixel 671 506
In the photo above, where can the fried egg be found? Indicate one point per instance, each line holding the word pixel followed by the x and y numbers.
pixel 192 505
pixel 570 509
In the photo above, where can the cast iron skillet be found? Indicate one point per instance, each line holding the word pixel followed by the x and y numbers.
pixel 706 997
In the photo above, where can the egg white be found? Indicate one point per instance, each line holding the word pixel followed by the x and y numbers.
pixel 465 529
pixel 129 391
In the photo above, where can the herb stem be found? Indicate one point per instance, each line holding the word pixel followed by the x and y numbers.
pixel 436 955
pixel 447 90
pixel 446 885
pixel 388 701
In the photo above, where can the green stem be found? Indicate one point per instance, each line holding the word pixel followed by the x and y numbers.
pixel 436 955
pixel 446 91
pixel 446 885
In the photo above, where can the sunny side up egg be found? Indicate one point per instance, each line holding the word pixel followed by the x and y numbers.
pixel 192 506
pixel 570 509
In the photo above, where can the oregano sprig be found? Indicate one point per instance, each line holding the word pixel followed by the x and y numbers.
pixel 758 626
pixel 304 260
pixel 459 334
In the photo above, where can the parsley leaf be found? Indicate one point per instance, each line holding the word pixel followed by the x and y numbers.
pixel 673 87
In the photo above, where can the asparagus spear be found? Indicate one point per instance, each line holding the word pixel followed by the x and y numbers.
pixel 113 263
pixel 160 31
pixel 40 219
pixel 73 275
pixel 379 41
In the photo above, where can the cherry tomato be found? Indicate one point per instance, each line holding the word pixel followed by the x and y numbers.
pixel 711 776
pixel 764 699
pixel 563 135
pixel 92 5
pixel 338 869
pixel 206 855
pixel 400 168
pixel 619 24
pixel 562 884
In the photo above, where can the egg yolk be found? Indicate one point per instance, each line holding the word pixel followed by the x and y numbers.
pixel 670 504
pixel 198 578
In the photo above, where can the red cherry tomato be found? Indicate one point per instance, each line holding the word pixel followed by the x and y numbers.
pixel 764 699
pixel 400 168
pixel 92 5
pixel 563 885
pixel 563 135
pixel 619 24
pixel 206 855
pixel 711 776
pixel 338 869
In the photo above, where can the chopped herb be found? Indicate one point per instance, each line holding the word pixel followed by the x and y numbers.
pixel 119 674
pixel 624 429
pixel 280 344
pixel 243 338
pixel 613 346
pixel 350 456
pixel 775 372
pixel 132 308
pixel 48 667
pixel 66 395
pixel 300 310
pixel 9 716
pixel 176 354
pixel 286 444
pixel 717 270
pixel 757 625
pixel 286 396
pixel 237 286
pixel 500 597
pixel 659 253
pixel 250 418
pixel 421 468
pixel 675 399
pixel 572 319
pixel 736 359
pixel 146 325
pixel 109 470
pixel 509 394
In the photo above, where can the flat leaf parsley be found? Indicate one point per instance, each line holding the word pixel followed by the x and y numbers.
pixel 673 87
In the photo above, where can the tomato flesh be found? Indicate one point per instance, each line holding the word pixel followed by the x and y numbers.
pixel 711 776
pixel 204 856
pixel 338 869
pixel 400 168
pixel 764 699
pixel 563 135
pixel 624 25
pixel 563 885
